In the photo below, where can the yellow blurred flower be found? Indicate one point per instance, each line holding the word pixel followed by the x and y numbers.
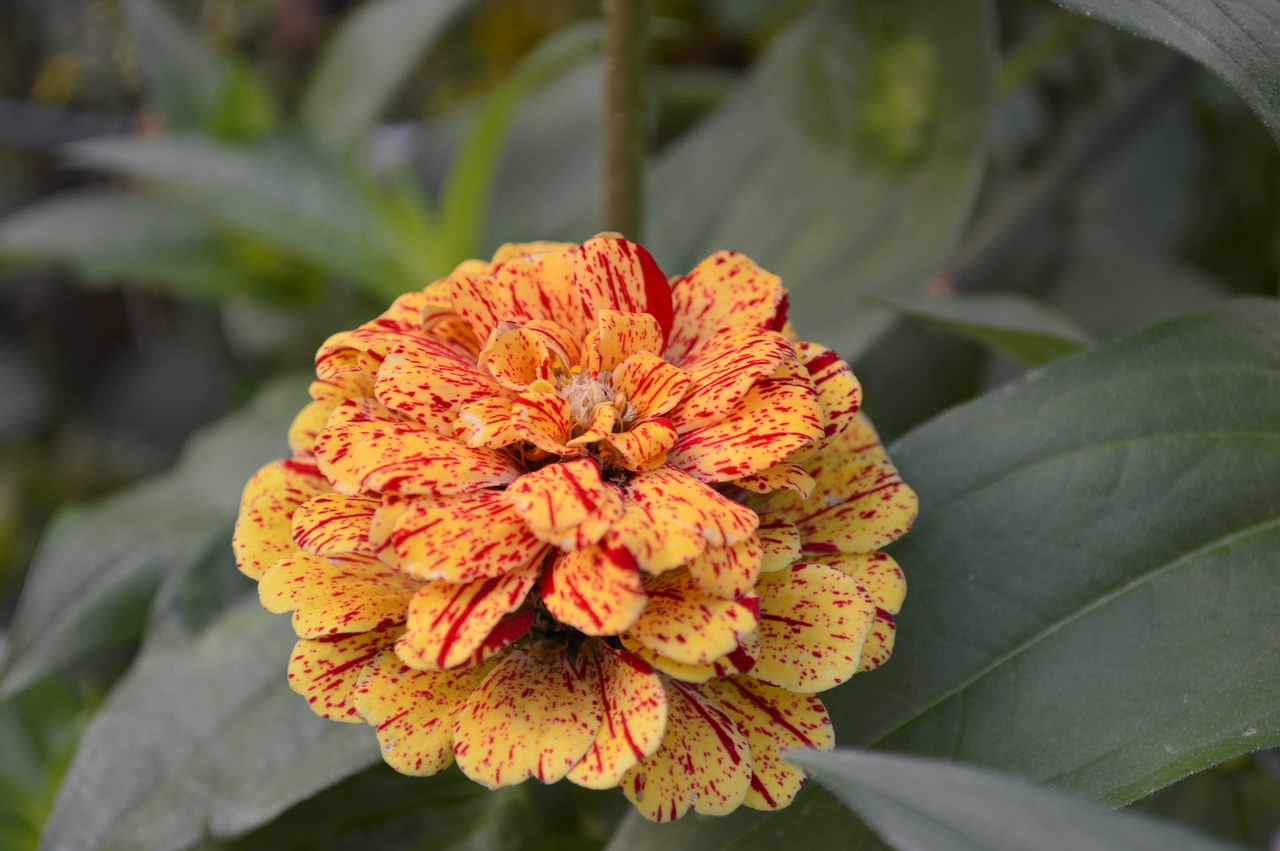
pixel 557 516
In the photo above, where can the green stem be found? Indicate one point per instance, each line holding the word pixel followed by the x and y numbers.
pixel 624 131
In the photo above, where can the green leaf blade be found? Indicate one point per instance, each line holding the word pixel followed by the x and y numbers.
pixel 181 73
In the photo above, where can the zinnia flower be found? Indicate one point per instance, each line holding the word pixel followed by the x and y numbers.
pixel 557 516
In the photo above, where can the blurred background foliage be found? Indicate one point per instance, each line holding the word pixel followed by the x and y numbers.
pixel 194 193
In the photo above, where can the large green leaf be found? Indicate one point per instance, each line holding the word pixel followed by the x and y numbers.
pixel 927 805
pixel 181 73
pixel 1239 40
pixel 847 163
pixel 365 63
pixel 201 739
pixel 281 191
pixel 98 567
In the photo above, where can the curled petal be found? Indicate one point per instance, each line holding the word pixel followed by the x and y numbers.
pixel 414 711
pixel 611 273
pixel 784 476
pixel 704 762
pixel 331 390
pixel 839 391
pixel 567 505
pixel 603 422
pixel 682 623
pixel 447 622
pixel 262 532
pixel 780 541
pixel 362 409
pixel 773 720
pixel 596 590
pixel 634 704
pixel 617 337
pixel 728 572
pixel 677 501
pixel 486 422
pixel 541 287
pixel 777 416
pixel 727 289
pixel 516 358
pixel 333 595
pixel 543 419
pixel 406 458
pixel 561 343
pixel 651 385
pixel 644 447
pixel 740 661
pixel 731 362
pixel 333 523
pixel 430 387
pixel 480 304
pixel 535 715
pixel 859 504
pixel 325 670
pixel 880 640
pixel 814 620
pixel 462 538
pixel 656 545
pixel 399 323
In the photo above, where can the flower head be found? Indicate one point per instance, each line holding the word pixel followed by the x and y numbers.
pixel 557 516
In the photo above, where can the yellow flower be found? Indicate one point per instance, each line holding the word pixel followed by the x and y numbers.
pixel 557 516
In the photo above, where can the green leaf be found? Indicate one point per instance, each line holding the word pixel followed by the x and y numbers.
pixel 281 191
pixel 847 163
pixel 1239 40
pixel 364 64
pixel 201 738
pixel 182 74
pixel 97 567
pixel 244 110
pixel 1029 330
pixel 928 805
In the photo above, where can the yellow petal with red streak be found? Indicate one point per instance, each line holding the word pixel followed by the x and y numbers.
pixel 335 595
pixel 413 711
pixel 740 661
pixel 877 572
pixel 784 476
pixel 773 720
pixel 651 385
pixel 543 419
pixel 340 387
pixel 325 670
pixel 448 623
pixel 814 620
pixel 431 387
pixel 406 458
pixel 603 422
pixel 304 428
pixel 691 627
pixel 728 572
pixel 540 284
pixel 728 366
pixel 645 446
pixel 487 423
pixel 513 251
pixel 839 391
pixel 480 303
pixel 262 533
pixel 516 358
pixel 859 504
pixel 535 715
pixel 462 538
pixel 286 474
pixel 676 499
pixel 725 290
pixel 777 416
pixel 634 704
pixel 656 547
pixel 363 409
pixel 704 763
pixel 858 438
pixel 780 541
pixel 596 590
pixel 617 337
pixel 567 504
pixel 611 273
pixel 333 523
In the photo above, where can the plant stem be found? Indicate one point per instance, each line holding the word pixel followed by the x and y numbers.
pixel 624 132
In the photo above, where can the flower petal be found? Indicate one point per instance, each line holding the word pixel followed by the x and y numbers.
pixel 596 590
pixel 568 504
pixel 535 715
pixel 859 504
pixel 814 620
pixel 304 428
pixel 614 274
pixel 287 474
pixel 431 387
pixel 325 670
pixel 332 595
pixel 726 289
pixel 784 476
pixel 773 720
pixel 414 711
pixel 878 573
pixel 780 540
pixel 634 704
pixel 731 362
pixel 262 532
pixel 480 303
pixel 448 622
pixel 617 337
pixel 486 422
pixel 333 523
pixel 462 538
pixel 704 762
pixel 777 416
pixel 516 358
pixel 676 502
pixel 693 628
pixel 644 447
pixel 406 458
pixel 740 661
pixel 362 409
pixel 839 391
pixel 543 419
pixel 602 425
pixel 541 287
pixel 651 385
pixel 728 572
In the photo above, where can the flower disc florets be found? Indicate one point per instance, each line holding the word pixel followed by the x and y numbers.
pixel 557 516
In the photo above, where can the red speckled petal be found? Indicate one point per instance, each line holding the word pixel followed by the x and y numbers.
pixel 731 362
pixel 614 274
pixel 325 670
pixel 877 572
pixel 287 474
pixel 516 358
pixel 777 416
pixel 645 446
pixel 740 661
pixel 541 287
pixel 262 532
pixel 728 572
pixel 727 289
pixel 406 458
pixel 344 385
pixel 479 301
pixel 651 385
pixel 597 591
pixel 486 423
pixel 773 720
pixel 839 391
pixel 860 504
pixel 332 595
pixel 635 716
pixel 683 624
pixel 510 252
pixel 656 546
pixel 536 715
pixel 784 476
pixel 333 523
pixel 858 438
pixel 304 428
pixel 414 711
pixel 780 540
pixel 567 505
pixel 813 622
pixel 602 425
pixel 363 409
pixel 449 623
pixel 462 538
pixel 704 762
pixel 399 323
pixel 676 499
pixel 617 337
pixel 430 387
pixel 561 343
pixel 543 419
